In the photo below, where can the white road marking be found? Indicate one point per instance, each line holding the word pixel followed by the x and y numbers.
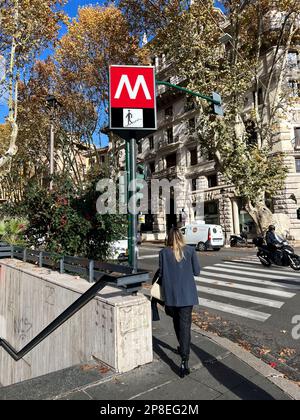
pixel 145 257
pixel 265 291
pixel 247 262
pixel 248 280
pixel 239 296
pixel 245 272
pixel 262 270
pixel 235 310
pixel 150 249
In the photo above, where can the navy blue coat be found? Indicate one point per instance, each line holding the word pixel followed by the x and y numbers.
pixel 177 278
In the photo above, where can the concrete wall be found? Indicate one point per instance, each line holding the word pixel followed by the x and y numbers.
pixel 114 328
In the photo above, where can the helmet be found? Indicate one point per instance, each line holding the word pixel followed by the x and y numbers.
pixel 272 227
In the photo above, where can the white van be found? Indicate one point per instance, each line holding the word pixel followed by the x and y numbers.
pixel 204 236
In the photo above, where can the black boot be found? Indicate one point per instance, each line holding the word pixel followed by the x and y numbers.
pixel 184 369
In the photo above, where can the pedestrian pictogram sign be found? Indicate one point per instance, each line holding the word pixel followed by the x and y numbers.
pixel 132 100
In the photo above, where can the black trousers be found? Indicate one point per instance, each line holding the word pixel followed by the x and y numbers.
pixel 182 320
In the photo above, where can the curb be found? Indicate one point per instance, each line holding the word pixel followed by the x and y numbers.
pixel 278 379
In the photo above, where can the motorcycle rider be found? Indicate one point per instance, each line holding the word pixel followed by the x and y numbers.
pixel 274 243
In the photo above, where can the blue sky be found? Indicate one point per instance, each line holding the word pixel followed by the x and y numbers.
pixel 71 9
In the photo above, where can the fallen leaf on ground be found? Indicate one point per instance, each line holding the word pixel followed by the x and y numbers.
pixel 104 369
pixel 264 352
pixel 87 367
pixel 273 365
pixel 287 352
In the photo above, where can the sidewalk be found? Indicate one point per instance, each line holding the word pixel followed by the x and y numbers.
pixel 217 374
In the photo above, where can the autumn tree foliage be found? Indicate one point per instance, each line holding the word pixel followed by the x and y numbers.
pixel 77 76
pixel 98 37
pixel 26 28
pixel 241 53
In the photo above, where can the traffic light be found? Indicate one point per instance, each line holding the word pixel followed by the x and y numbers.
pixel 217 109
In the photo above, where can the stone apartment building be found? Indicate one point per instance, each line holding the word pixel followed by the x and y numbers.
pixel 172 152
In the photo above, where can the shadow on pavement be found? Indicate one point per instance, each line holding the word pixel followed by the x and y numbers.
pixel 215 374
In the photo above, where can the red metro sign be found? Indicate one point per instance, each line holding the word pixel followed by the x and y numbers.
pixel 132 99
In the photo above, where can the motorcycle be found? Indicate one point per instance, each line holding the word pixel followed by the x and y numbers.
pixel 283 256
pixel 238 240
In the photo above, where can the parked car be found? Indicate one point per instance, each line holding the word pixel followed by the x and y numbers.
pixel 205 237
pixel 119 250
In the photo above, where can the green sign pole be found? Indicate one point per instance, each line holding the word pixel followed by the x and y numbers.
pixel 130 256
pixel 132 216
pixel 215 99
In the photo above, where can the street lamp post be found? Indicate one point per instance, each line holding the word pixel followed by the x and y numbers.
pixel 223 193
pixel 52 105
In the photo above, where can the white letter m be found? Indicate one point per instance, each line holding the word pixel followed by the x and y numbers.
pixel 140 82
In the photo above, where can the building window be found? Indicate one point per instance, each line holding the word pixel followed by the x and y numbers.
pixel 140 147
pixel 252 133
pixel 194 184
pixel 293 60
pixel 210 156
pixel 189 105
pixel 297 138
pixel 169 112
pixel 297 165
pixel 192 124
pixel 171 160
pixel 194 157
pixel 152 168
pixel 170 136
pixel 212 181
pixel 151 143
pixel 270 203
pixel 294 85
pixel 211 212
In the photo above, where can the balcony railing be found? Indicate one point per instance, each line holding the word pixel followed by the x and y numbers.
pixel 172 171
pixel 168 142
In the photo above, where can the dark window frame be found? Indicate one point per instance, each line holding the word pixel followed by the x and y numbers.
pixel 151 142
pixel 194 184
pixel 170 135
pixel 214 178
pixel 194 156
pixel 297 138
pixel 170 162
pixel 294 85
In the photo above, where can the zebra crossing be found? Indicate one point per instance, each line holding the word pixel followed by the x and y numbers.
pixel 244 288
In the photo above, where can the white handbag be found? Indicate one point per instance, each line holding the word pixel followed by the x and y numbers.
pixel 157 291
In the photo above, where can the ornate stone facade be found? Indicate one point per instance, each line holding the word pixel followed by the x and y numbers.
pixel 173 152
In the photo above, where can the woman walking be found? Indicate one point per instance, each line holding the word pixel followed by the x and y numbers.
pixel 178 264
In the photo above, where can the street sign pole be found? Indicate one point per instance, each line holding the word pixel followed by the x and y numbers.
pixel 133 209
pixel 51 153
pixel 133 116
pixel 129 236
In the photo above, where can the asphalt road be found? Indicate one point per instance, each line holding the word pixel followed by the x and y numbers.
pixel 246 302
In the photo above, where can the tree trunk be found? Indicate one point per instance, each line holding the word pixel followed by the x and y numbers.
pixel 262 216
pixel 13 95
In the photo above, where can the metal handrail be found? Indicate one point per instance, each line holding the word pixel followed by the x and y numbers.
pixel 60 320
pixel 126 280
